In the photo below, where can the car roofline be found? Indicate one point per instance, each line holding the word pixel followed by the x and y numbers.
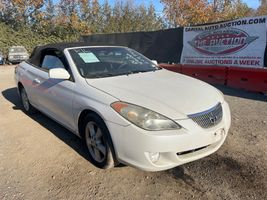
pixel 94 46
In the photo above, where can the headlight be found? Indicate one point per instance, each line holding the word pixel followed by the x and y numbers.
pixel 144 118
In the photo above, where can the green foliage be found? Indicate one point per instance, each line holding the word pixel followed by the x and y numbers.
pixel 25 37
pixel 35 22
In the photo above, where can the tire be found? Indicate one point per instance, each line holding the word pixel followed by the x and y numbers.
pixel 26 105
pixel 98 142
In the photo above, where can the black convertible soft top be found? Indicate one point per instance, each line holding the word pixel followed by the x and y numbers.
pixel 63 45
pixel 38 50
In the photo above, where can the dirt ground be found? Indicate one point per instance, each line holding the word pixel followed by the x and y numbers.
pixel 39 159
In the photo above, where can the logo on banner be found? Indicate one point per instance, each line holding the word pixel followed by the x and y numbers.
pixel 222 42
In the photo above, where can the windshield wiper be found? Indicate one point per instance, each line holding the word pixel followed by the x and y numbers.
pixel 98 75
pixel 105 75
pixel 140 71
pixel 127 73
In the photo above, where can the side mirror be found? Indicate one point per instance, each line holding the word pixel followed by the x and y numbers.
pixel 59 73
pixel 155 62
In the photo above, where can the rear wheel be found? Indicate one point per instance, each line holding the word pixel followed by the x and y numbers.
pixel 26 105
pixel 98 142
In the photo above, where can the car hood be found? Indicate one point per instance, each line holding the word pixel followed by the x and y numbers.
pixel 171 94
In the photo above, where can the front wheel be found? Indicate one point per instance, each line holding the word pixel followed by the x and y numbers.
pixel 98 142
pixel 26 105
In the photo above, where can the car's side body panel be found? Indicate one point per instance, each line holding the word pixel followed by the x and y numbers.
pixel 65 100
pixel 51 96
pixel 56 98
pixel 90 98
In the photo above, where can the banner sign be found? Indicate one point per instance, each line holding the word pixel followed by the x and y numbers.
pixel 239 43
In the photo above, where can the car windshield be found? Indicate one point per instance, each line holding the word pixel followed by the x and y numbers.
pixel 99 62
pixel 17 50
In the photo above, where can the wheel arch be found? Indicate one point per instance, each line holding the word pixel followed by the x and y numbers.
pixel 20 85
pixel 81 119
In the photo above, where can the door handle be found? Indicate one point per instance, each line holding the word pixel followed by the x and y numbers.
pixel 36 81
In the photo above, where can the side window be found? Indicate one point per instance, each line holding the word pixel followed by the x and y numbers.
pixel 51 62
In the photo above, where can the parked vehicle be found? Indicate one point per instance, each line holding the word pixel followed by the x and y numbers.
pixel 2 58
pixel 17 54
pixel 126 108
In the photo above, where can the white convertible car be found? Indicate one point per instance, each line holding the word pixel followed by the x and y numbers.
pixel 126 108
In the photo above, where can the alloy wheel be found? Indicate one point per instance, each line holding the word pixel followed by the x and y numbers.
pixel 95 141
pixel 25 100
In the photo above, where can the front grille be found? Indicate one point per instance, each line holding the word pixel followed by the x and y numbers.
pixel 209 118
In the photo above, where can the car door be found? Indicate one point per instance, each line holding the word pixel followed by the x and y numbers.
pixel 26 74
pixel 55 96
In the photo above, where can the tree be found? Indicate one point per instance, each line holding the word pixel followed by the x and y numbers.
pixel 148 19
pixel 46 19
pixel 187 12
pixel 95 17
pixel 128 17
pixel 66 20
pixel 263 2
pixel 85 9
pixel 21 12
pixel 262 10
pixel 50 11
pixel 69 23
pixel 106 16
pixel 230 9
pixel 191 12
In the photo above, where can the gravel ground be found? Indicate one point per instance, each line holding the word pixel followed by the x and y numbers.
pixel 39 159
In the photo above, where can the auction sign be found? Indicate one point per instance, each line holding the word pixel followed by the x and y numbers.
pixel 240 43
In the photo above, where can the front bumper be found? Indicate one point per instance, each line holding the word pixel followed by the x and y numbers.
pixel 134 145
pixel 17 59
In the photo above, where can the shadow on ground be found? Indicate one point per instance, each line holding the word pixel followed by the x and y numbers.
pixel 241 93
pixel 59 131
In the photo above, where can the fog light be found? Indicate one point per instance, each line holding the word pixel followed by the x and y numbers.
pixel 154 157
